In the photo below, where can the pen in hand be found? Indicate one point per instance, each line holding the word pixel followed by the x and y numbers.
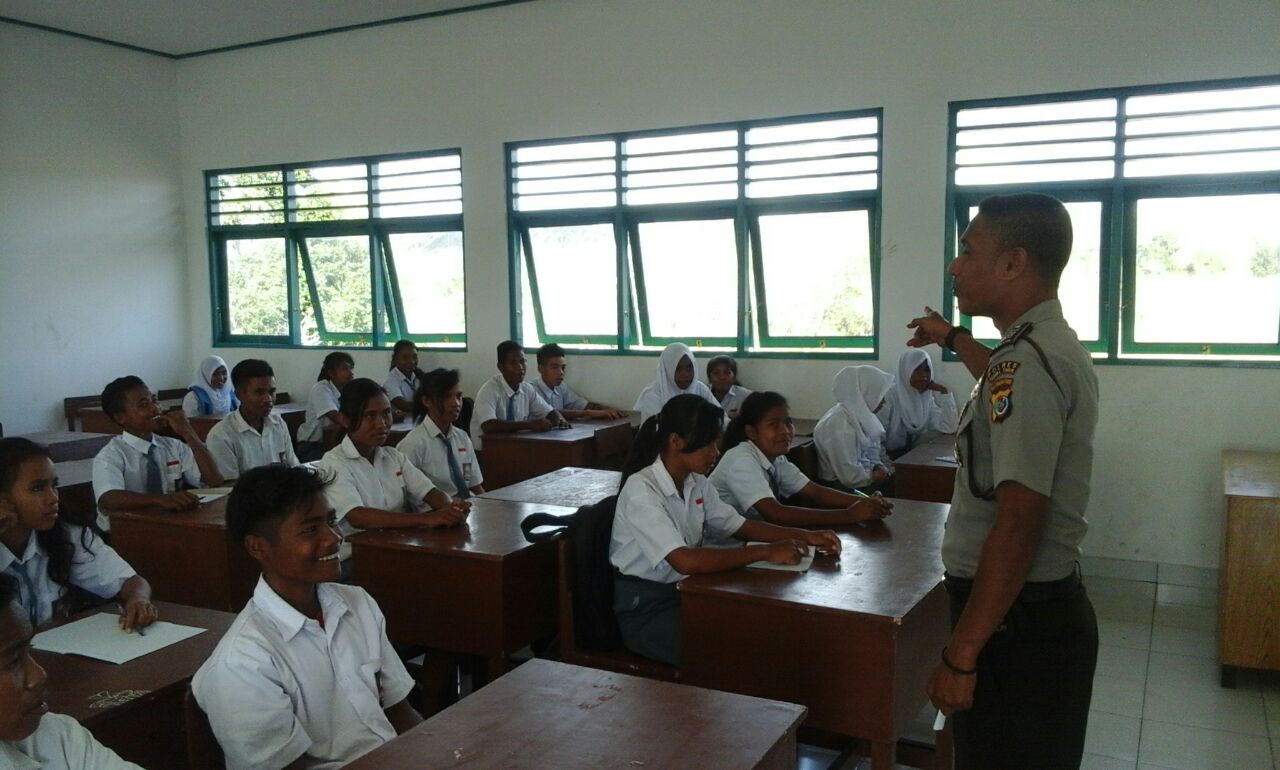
pixel 136 629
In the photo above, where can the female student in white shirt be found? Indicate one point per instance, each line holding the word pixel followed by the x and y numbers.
pixel 849 438
pixel 916 404
pixel 51 558
pixel 436 446
pixel 210 393
pixel 322 404
pixel 404 376
pixel 665 506
pixel 677 374
pixel 722 374
pixel 754 475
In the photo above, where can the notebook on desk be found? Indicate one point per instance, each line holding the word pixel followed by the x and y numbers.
pixel 100 637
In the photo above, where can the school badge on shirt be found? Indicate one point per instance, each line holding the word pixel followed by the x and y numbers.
pixel 1000 375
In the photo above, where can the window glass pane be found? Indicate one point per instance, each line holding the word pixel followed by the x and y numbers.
pixel 813 129
pixel 257 281
pixel 1239 162
pixel 1052 132
pixel 811 185
pixel 691 278
pixel 808 167
pixel 577 279
pixel 1203 100
pixel 418 165
pixel 1236 140
pixel 812 150
pixel 566 201
pixel 574 168
pixel 340 265
pixel 685 177
pixel 429 270
pixel 1033 152
pixel 1211 121
pixel 690 194
pixel 571 151
pixel 687 160
pixel 1037 113
pixel 1208 269
pixel 1035 172
pixel 817 274
pixel 679 142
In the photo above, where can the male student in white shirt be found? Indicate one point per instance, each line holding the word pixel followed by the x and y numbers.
pixel 556 392
pixel 30 737
pixel 508 404
pixel 252 435
pixel 305 677
pixel 436 446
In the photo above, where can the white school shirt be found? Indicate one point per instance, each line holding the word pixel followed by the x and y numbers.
pixel 652 520
pixel 122 464
pixel 322 400
pixel 398 385
pixel 842 457
pixel 733 399
pixel 943 418
pixel 742 478
pixel 424 450
pixel 389 483
pixel 237 447
pixel 491 404
pixel 279 686
pixel 560 397
pixel 60 743
pixel 97 569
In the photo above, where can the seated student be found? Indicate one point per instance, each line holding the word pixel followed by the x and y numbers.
pixel 754 475
pixel 374 486
pixel 30 737
pixel 916 404
pixel 252 435
pixel 556 392
pixel 722 375
pixel 508 404
pixel 138 469
pixel 665 506
pixel 849 438
pixel 322 404
pixel 677 374
pixel 404 377
pixel 436 446
pixel 305 677
pixel 209 394
pixel 50 557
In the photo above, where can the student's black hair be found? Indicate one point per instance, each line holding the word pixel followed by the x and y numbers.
pixel 56 541
pixel 723 360
pixel 549 351
pixel 249 369
pixel 355 395
pixel 754 408
pixel 395 351
pixel 113 394
pixel 505 347
pixel 1038 223
pixel 434 385
pixel 333 361
pixel 8 589
pixel 266 495
pixel 692 418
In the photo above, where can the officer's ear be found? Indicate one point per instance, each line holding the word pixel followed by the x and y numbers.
pixel 1014 263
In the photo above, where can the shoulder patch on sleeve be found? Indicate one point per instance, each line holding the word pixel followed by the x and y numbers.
pixel 1000 377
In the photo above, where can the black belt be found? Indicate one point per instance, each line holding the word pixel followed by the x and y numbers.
pixel 618 575
pixel 1030 593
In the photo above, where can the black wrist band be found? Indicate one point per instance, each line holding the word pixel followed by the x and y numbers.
pixel 948 341
pixel 954 668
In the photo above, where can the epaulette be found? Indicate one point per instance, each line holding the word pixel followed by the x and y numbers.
pixel 1015 333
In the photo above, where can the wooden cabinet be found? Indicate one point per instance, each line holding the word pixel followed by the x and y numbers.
pixel 1249 613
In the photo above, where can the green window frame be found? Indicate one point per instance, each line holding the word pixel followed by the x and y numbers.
pixel 1119 148
pixel 833 163
pixel 373 198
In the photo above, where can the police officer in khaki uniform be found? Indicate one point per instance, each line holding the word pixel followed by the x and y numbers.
pixel 1017 672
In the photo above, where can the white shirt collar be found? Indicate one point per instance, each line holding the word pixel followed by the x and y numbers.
pixel 29 552
pixel 507 390
pixel 15 758
pixel 433 430
pixel 241 425
pixel 666 484
pixel 288 619
pixel 140 444
pixel 760 456
pixel 349 451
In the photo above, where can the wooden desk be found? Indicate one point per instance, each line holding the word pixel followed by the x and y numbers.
pixel 920 475
pixel 399 430
pixel 508 458
pixel 75 490
pixel 573 487
pixel 479 589
pixel 186 555
pixel 94 420
pixel 552 715
pixel 64 445
pixel 854 640
pixel 1248 626
pixel 136 707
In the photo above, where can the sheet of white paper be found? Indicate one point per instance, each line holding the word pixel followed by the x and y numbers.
pixel 948 459
pixel 99 636
pixel 803 566
pixel 212 493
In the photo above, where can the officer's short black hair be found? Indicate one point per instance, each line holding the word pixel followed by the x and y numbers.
pixel 1038 223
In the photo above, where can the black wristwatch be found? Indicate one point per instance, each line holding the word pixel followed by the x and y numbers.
pixel 948 341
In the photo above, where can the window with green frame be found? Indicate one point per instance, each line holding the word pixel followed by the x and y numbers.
pixel 354 252
pixel 758 236
pixel 1174 194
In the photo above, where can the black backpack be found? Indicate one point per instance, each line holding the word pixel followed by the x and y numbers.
pixel 589 530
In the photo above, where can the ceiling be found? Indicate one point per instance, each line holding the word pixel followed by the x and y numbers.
pixel 185 27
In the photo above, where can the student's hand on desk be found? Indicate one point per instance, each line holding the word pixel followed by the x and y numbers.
pixel 562 423
pixel 826 541
pixel 613 414
pixel 446 517
pixel 871 508
pixel 540 425
pixel 878 474
pixel 178 501
pixel 951 692
pixel 787 551
pixel 930 329
pixel 138 613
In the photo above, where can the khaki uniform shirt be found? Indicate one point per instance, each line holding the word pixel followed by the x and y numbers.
pixel 1031 420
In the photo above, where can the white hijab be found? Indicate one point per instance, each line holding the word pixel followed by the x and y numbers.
pixel 858 390
pixel 911 407
pixel 657 393
pixel 220 398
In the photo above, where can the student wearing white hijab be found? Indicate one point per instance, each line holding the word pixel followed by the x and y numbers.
pixel 849 438
pixel 916 404
pixel 210 393
pixel 677 374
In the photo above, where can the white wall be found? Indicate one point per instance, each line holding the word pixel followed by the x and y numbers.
pixel 92 274
pixel 566 67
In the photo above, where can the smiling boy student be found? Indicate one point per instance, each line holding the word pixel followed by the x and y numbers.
pixel 305 677
pixel 252 435
pixel 557 393
pixel 139 469
pixel 508 404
